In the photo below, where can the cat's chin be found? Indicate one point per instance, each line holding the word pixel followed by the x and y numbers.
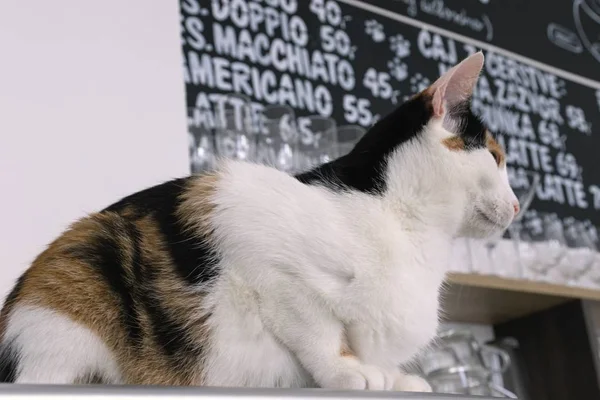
pixel 489 219
pixel 484 225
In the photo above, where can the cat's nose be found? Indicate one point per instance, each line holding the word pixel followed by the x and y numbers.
pixel 516 207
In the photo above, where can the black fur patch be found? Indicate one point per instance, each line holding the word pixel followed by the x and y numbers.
pixel 472 129
pixel 9 362
pixel 92 378
pixel 108 255
pixel 364 167
pixel 169 333
pixel 194 260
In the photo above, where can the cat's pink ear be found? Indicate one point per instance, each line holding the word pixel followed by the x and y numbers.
pixel 457 84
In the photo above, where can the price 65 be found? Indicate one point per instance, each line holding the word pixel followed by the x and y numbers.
pixel 566 165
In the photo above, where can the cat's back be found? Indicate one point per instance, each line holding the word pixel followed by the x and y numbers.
pixel 277 207
pixel 122 287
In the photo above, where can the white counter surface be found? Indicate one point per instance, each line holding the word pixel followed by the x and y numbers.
pixel 23 392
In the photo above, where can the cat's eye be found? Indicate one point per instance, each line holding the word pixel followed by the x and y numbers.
pixel 496 156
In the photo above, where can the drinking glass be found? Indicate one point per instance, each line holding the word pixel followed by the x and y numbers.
pixel 201 143
pixel 438 359
pixel 581 252
pixel 504 254
pixel 456 364
pixel 479 256
pixel 317 142
pixel 532 241
pixel 467 382
pixel 469 351
pixel 235 132
pixel 459 347
pixel 548 246
pixel 593 275
pixel 524 188
pixel 277 143
pixel 348 136
pixel 459 380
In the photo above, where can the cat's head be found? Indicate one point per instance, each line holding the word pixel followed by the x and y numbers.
pixel 432 151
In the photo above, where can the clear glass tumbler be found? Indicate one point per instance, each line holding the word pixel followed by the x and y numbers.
pixel 235 132
pixel 317 142
pixel 581 253
pixel 201 142
pixel 277 143
pixel 504 254
pixel 348 136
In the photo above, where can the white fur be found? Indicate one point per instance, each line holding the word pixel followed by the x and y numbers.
pixel 310 265
pixel 305 266
pixel 53 349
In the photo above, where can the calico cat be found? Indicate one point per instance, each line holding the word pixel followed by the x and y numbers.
pixel 247 276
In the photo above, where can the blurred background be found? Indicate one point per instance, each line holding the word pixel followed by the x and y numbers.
pixel 100 99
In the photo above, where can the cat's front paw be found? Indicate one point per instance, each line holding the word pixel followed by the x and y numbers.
pixel 411 383
pixel 356 376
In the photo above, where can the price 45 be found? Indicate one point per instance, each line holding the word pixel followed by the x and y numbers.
pixel 378 83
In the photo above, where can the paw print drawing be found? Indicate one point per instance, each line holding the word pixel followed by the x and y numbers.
pixel 398 69
pixel 400 46
pixel 375 30
pixel 419 82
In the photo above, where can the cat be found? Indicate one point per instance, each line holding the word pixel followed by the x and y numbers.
pixel 245 276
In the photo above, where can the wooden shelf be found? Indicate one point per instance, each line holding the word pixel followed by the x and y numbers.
pixel 491 300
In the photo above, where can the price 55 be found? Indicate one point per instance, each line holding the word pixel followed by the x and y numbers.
pixel 357 111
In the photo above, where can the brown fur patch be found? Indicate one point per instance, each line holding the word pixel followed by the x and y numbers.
pixel 454 143
pixel 184 305
pixel 496 150
pixel 67 279
pixel 62 282
pixel 67 285
pixel 198 204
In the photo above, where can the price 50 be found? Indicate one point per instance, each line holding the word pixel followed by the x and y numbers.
pixel 335 41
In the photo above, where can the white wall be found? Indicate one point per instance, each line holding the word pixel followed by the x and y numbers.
pixel 91 109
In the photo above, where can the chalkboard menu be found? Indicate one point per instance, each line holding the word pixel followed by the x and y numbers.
pixel 564 34
pixel 357 60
